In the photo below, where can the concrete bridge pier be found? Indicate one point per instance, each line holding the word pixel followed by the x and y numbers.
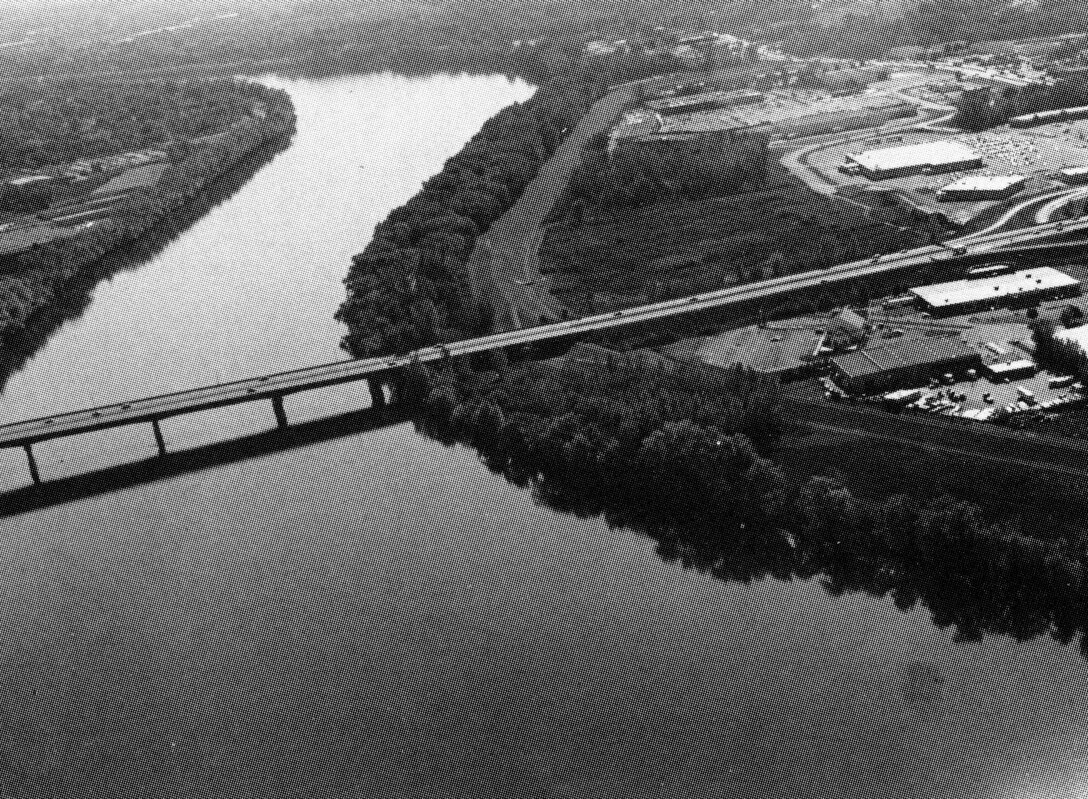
pixel 160 442
pixel 33 464
pixel 377 392
pixel 281 414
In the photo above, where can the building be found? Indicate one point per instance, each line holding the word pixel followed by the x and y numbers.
pixel 982 187
pixel 685 104
pixel 1075 175
pixel 915 159
pixel 30 180
pixel 848 322
pixel 1076 335
pixel 1014 370
pixel 1046 117
pixel 902 363
pixel 1026 287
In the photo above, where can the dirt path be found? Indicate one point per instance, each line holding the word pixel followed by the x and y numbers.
pixel 505 264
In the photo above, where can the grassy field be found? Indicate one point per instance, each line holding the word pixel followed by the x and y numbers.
pixel 684 247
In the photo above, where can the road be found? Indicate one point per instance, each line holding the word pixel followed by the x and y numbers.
pixel 270 387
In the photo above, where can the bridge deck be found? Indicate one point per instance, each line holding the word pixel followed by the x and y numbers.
pixel 271 386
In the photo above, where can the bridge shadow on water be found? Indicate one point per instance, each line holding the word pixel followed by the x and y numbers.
pixel 72 299
pixel 148 470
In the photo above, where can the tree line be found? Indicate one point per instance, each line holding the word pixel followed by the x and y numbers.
pixel 35 278
pixel 634 174
pixel 410 287
pixel 44 123
pixel 682 453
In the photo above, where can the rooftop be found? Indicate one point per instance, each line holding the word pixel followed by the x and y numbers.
pixel 901 354
pixel 936 153
pixel 1077 335
pixel 961 292
pixel 985 183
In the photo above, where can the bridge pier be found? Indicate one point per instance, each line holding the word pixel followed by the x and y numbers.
pixel 33 464
pixel 281 414
pixel 159 440
pixel 377 393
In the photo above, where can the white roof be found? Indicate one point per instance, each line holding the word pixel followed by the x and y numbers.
pixel 1077 335
pixel 937 153
pixel 1014 366
pixel 985 183
pixel 1075 170
pixel 959 292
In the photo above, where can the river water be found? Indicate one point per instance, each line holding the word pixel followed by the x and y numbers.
pixel 377 615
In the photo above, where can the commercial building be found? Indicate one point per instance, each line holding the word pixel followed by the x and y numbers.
pixel 1014 370
pixel 982 187
pixel 915 159
pixel 1025 287
pixel 904 362
pixel 1046 117
pixel 1075 335
pixel 29 180
pixel 1075 175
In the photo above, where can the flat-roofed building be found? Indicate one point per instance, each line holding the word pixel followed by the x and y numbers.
pixel 906 362
pixel 982 187
pixel 1025 287
pixel 1075 335
pixel 1013 370
pixel 914 159
pixel 1047 117
pixel 1075 174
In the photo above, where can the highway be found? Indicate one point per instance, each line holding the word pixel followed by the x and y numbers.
pixel 275 386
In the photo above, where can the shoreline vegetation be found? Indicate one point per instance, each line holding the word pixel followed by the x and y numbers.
pixel 689 457
pixel 684 455
pixel 33 282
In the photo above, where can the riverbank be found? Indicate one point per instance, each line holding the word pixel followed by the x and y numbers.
pixel 36 279
pixel 666 450
pixel 413 284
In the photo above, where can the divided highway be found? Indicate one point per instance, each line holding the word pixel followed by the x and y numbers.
pixel 275 386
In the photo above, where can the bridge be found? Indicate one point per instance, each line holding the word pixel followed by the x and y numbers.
pixel 378 371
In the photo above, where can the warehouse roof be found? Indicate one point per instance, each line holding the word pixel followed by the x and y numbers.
pixel 961 292
pixel 1078 335
pixel 936 153
pixel 985 183
pixel 901 354
pixel 1075 171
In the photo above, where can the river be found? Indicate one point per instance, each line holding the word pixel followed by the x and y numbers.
pixel 379 615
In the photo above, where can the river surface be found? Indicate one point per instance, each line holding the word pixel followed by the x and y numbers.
pixel 378 615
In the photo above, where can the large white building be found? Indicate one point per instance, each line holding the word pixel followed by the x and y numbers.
pixel 914 159
pixel 1025 286
pixel 982 187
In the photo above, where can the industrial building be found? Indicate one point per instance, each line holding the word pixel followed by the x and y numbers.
pixel 1075 175
pixel 1046 117
pixel 906 362
pixel 1025 287
pixel 915 159
pixel 685 104
pixel 982 187
pixel 1075 335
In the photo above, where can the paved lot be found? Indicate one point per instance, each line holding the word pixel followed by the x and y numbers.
pixel 1035 153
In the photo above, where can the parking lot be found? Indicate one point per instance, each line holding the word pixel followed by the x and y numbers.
pixel 1034 153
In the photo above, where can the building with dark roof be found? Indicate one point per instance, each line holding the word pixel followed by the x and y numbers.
pixel 906 362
